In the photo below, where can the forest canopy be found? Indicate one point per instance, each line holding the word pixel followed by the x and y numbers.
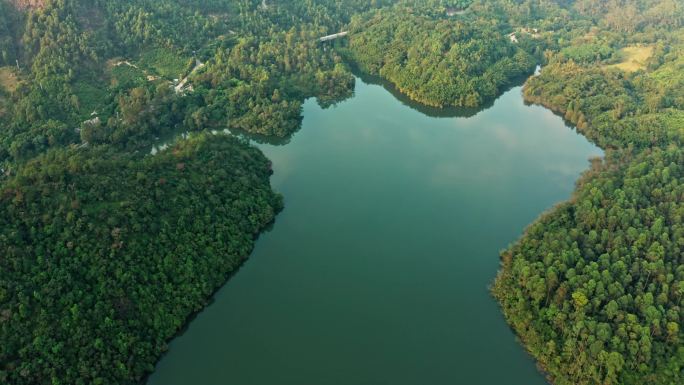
pixel 107 249
pixel 438 62
pixel 594 288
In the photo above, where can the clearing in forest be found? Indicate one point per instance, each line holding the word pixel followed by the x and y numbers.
pixel 124 74
pixel 633 58
pixel 8 79
pixel 164 62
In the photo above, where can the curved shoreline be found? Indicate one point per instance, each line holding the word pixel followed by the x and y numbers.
pixel 306 132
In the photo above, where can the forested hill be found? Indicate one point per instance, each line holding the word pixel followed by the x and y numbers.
pixel 105 255
pixel 116 59
pixel 595 288
pixel 440 61
pixel 107 249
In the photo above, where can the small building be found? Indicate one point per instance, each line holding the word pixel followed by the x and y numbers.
pixel 93 122
pixel 451 12
pixel 334 36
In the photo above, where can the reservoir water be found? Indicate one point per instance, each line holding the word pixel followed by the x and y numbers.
pixel 377 271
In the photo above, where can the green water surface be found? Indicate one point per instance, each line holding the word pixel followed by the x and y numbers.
pixel 377 270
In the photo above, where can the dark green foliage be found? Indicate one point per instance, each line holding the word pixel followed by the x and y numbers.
pixel 9 20
pixel 596 288
pixel 164 62
pixel 437 62
pixel 125 77
pixel 260 66
pixel 106 252
pixel 259 85
pixel 105 255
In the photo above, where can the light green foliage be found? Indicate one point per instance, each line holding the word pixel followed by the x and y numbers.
pixel 87 97
pixel 126 77
pixel 164 62
pixel 588 53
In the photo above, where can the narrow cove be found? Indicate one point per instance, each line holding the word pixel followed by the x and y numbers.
pixel 377 270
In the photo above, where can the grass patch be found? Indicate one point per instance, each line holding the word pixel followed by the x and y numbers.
pixel 164 62
pixel 125 77
pixel 9 80
pixel 633 58
pixel 90 97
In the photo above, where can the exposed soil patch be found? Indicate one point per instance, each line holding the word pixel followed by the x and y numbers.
pixel 9 81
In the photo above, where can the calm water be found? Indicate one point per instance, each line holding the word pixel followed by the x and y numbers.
pixel 377 271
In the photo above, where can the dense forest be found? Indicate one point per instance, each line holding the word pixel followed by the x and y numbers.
pixel 595 287
pixel 115 61
pixel 613 108
pixel 96 232
pixel 437 61
pixel 105 255
pixel 106 249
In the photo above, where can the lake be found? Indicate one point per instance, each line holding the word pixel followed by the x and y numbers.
pixel 377 271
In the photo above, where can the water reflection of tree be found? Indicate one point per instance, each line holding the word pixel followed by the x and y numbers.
pixel 433 112
pixel 324 101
